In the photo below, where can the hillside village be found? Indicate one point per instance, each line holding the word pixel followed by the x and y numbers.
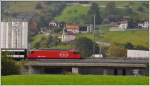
pixel 59 25
pixel 74 42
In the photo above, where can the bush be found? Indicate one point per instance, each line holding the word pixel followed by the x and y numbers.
pixel 141 48
pixel 8 66
pixel 104 51
pixel 129 45
pixel 115 51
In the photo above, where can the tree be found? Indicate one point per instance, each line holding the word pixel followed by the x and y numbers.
pixel 58 8
pixel 94 11
pixel 141 9
pixel 43 21
pixel 128 10
pixel 33 26
pixel 8 66
pixel 115 51
pixel 145 4
pixel 114 18
pixel 104 51
pixel 110 8
pixel 139 47
pixel 132 23
pixel 57 30
pixel 46 42
pixel 39 6
pixel 43 43
pixel 52 41
pixel 55 7
pixel 129 45
pixel 85 47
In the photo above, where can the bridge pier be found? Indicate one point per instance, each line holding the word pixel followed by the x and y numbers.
pixel 31 70
pixel 23 69
pixel 75 70
pixel 105 72
pixel 119 72
pixel 135 72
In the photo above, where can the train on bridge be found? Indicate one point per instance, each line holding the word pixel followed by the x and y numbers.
pixel 41 53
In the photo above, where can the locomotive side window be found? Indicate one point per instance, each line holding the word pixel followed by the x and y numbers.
pixel 15 53
pixel 19 53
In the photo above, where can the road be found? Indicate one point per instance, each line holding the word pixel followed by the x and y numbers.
pixel 101 60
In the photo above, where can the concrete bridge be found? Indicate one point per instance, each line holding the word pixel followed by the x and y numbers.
pixel 87 66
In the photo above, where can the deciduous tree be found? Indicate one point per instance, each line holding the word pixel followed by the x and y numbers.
pixel 8 66
pixel 110 8
pixel 94 11
pixel 85 47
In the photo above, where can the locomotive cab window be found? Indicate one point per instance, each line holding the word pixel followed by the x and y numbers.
pixel 76 52
pixel 30 52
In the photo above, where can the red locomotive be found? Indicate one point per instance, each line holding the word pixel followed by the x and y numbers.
pixel 41 53
pixel 53 54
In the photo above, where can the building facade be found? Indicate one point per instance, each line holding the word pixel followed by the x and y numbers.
pixel 72 28
pixel 137 54
pixel 144 25
pixel 14 34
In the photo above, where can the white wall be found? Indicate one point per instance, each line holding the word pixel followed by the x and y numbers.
pixel 138 54
pixel 12 38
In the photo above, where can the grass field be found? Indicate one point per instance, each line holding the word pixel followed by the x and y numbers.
pixel 136 37
pixel 45 79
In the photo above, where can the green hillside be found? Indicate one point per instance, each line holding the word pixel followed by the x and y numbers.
pixel 74 13
pixel 137 38
pixel 26 6
pixel 16 7
pixel 38 38
pixel 77 12
pixel 122 3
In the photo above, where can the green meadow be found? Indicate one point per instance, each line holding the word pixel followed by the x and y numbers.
pixel 136 37
pixel 72 79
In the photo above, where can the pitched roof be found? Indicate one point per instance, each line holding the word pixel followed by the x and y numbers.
pixel 72 26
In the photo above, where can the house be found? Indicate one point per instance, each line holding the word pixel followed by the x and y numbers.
pixel 72 28
pixel 52 24
pixel 67 36
pixel 87 28
pixel 144 24
pixel 123 25
pixel 137 54
pixel 75 28
pixel 119 26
